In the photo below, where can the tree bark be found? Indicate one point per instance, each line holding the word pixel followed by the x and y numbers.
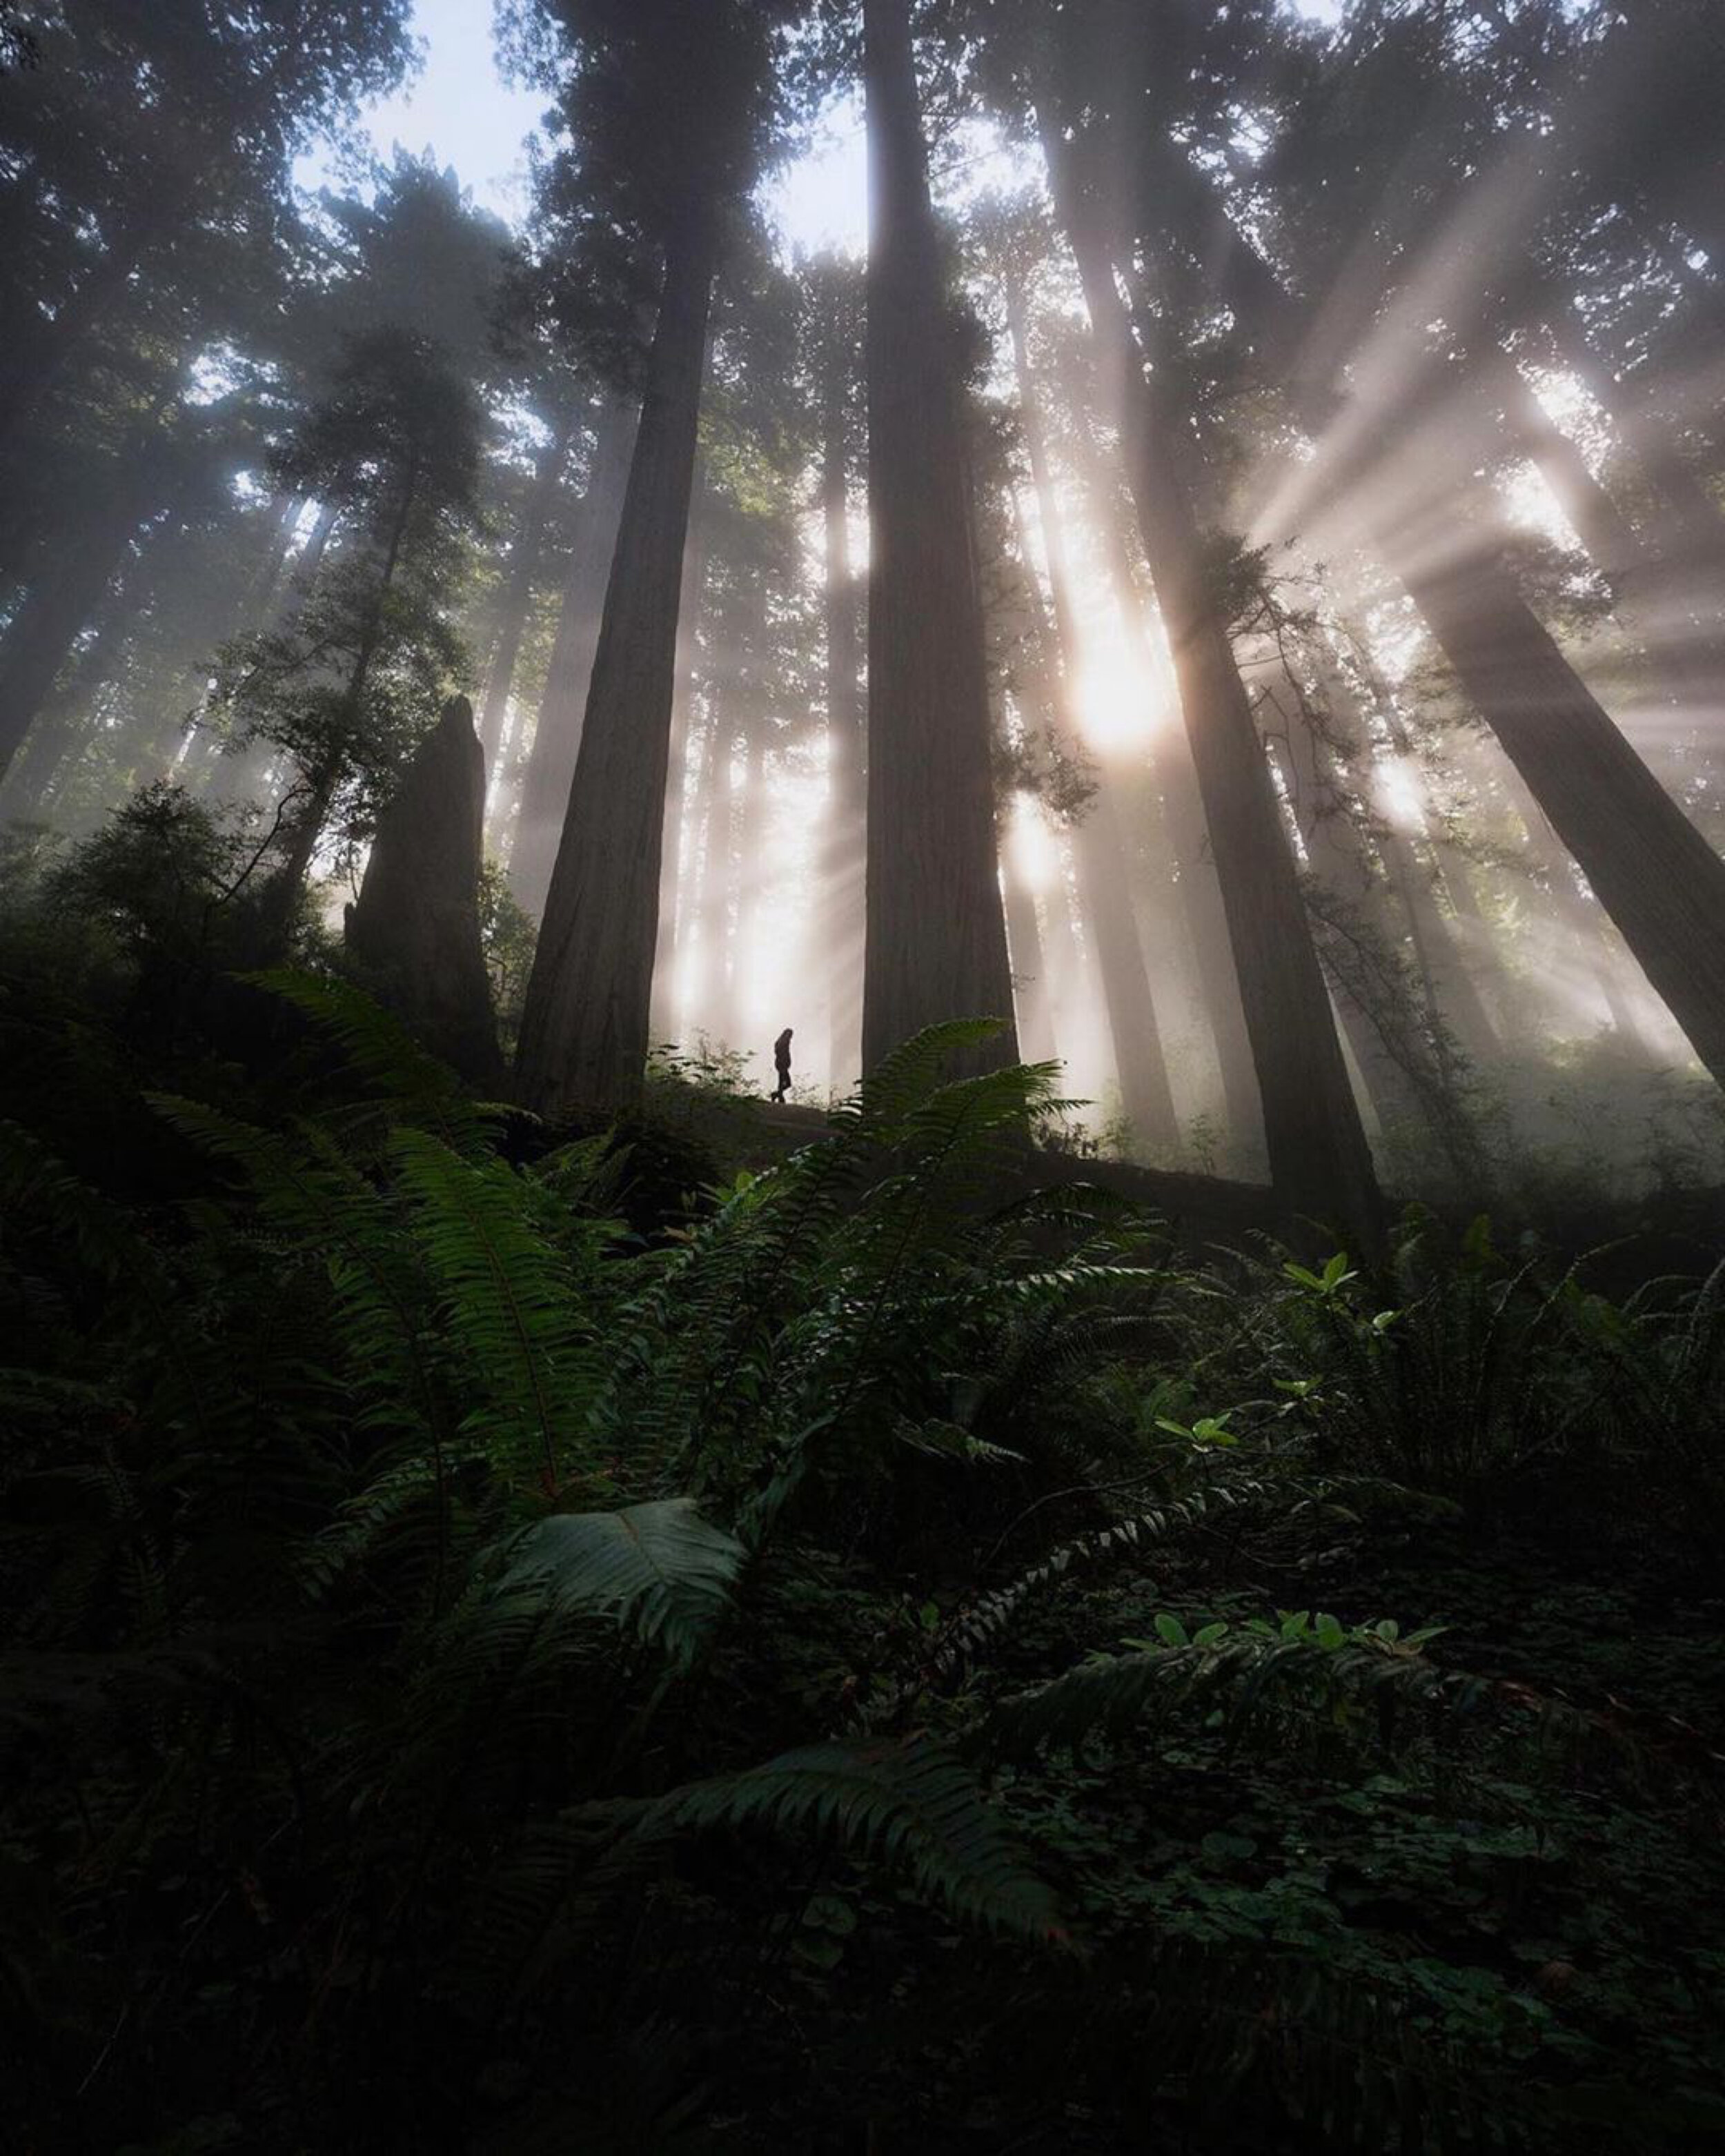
pixel 935 931
pixel 415 926
pixel 585 1026
pixel 557 737
pixel 1320 1164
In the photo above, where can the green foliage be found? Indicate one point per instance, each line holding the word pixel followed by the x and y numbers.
pixel 557 1636
pixel 658 1568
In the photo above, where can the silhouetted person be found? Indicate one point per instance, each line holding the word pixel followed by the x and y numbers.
pixel 782 1063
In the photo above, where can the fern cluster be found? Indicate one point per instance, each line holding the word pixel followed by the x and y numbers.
pixel 459 1643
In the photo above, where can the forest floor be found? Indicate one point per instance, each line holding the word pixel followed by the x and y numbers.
pixel 639 1640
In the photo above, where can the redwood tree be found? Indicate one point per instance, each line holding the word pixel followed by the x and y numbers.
pixel 936 936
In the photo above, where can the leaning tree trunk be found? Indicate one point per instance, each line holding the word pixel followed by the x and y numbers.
pixel 550 769
pixel 1657 876
pixel 585 1026
pixel 1320 1163
pixel 415 926
pixel 936 932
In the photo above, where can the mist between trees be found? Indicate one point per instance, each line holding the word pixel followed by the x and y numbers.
pixel 1228 585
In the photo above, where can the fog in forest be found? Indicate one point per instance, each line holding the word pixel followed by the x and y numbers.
pixel 1420 311
pixel 602 602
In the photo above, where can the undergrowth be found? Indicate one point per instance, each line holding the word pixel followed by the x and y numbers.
pixel 507 1648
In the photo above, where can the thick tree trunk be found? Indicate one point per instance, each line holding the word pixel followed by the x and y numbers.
pixel 1320 1163
pixel 585 1026
pixel 1653 873
pixel 518 592
pixel 847 768
pixel 557 737
pixel 415 926
pixel 936 932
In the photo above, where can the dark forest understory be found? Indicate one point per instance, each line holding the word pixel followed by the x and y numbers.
pixel 862 998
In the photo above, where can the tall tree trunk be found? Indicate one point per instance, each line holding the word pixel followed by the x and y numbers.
pixel 585 1023
pixel 1320 1163
pixel 1103 860
pixel 518 592
pixel 936 932
pixel 847 770
pixel 1653 873
pixel 673 926
pixel 557 737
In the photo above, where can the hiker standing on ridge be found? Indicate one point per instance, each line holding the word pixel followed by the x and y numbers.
pixel 782 1063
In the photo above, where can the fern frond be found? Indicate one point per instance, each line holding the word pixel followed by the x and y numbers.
pixel 34 1179
pixel 508 1303
pixel 1238 1674
pixel 414 1085
pixel 982 1621
pixel 916 1800
pixel 658 1569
